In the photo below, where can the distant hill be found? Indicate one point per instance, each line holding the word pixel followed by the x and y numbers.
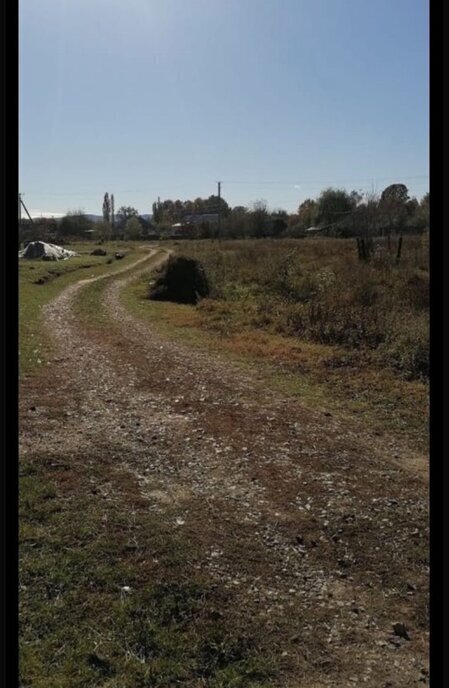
pixel 90 217
pixel 99 218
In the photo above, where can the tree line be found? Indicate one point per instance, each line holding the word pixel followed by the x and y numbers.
pixel 355 214
pixel 335 212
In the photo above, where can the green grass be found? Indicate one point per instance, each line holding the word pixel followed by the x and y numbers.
pixel 88 303
pixel 88 306
pixel 80 628
pixel 41 281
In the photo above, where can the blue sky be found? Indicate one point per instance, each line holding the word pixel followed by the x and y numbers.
pixel 276 98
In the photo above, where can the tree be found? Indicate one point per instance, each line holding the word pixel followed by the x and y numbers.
pixel 75 223
pixel 257 219
pixel 393 205
pixel 234 225
pixel 127 212
pixel 307 213
pixel 168 211
pixel 279 220
pixel 106 208
pixel 422 213
pixel 366 218
pixel 112 212
pixel 396 193
pixel 356 197
pixel 123 215
pixel 158 214
pixel 40 229
pixel 278 226
pixel 215 204
pixel 103 231
pixel 411 206
pixel 425 200
pixel 133 228
pixel 333 205
pixel 145 226
pixel 239 210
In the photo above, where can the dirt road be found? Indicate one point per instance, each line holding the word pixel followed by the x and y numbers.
pixel 305 517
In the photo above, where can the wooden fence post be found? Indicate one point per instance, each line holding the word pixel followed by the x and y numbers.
pixel 398 254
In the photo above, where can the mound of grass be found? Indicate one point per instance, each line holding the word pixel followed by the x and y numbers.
pixel 181 280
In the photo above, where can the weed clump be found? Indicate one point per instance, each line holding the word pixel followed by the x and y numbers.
pixel 182 280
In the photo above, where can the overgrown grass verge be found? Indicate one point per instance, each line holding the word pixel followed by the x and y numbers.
pixel 326 376
pixel 41 281
pixel 318 291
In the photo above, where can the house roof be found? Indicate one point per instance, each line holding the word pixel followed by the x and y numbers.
pixel 197 218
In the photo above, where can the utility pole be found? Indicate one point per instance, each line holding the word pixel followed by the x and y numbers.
pixel 20 220
pixel 21 203
pixel 219 208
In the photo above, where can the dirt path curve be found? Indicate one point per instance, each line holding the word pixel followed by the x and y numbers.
pixel 300 513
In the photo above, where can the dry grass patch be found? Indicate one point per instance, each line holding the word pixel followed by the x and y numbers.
pixel 329 377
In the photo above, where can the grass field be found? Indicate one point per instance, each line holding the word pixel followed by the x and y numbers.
pixel 40 281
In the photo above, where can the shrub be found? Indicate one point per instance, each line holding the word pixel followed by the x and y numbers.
pixel 406 345
pixel 182 280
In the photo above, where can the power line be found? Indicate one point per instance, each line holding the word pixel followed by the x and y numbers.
pixel 334 181
pixel 228 181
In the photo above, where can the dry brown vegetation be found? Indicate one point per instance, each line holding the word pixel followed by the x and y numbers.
pixel 341 334
pixel 317 290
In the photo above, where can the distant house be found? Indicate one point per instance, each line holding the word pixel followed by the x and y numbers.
pixel 199 218
pixel 178 229
pixel 189 222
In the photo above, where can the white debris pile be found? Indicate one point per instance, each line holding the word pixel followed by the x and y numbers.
pixel 39 249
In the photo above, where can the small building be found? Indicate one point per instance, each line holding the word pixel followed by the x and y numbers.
pixel 200 218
